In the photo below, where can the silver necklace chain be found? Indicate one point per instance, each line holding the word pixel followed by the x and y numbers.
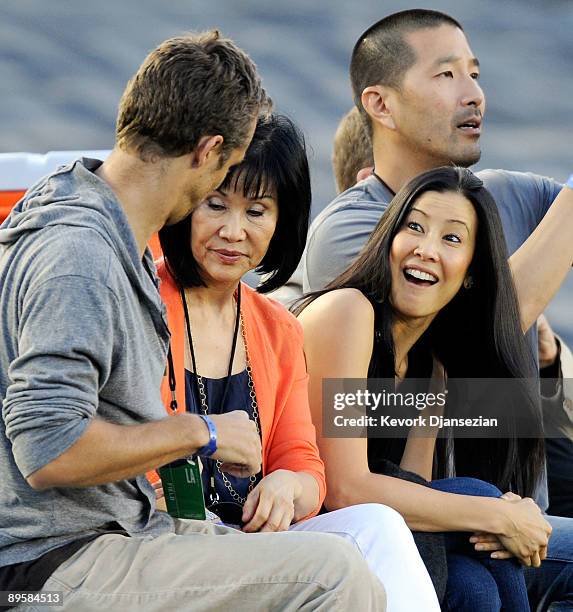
pixel 254 406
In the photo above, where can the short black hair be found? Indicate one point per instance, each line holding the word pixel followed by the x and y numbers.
pixel 275 160
pixel 381 56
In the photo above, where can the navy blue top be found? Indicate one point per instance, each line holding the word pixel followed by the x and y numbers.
pixel 238 398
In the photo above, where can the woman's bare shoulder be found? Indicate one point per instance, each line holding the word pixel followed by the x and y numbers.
pixel 339 333
pixel 340 303
pixel 347 312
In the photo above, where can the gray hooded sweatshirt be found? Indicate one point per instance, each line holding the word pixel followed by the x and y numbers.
pixel 83 334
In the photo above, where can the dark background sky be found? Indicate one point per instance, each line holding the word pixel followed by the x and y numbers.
pixel 64 63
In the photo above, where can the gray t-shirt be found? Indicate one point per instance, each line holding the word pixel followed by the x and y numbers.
pixel 340 231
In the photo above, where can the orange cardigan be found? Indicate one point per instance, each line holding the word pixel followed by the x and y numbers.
pixel 275 345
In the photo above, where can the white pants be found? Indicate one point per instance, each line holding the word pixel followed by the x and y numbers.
pixel 387 545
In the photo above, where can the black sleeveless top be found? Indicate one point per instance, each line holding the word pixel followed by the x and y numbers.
pixel 381 365
pixel 385 454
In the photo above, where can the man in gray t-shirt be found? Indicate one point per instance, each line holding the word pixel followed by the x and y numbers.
pixel 415 83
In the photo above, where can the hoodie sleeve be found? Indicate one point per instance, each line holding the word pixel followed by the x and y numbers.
pixel 67 334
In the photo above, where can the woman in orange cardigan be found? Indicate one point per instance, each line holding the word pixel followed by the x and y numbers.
pixel 234 349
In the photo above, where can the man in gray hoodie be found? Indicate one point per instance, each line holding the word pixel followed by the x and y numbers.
pixel 83 350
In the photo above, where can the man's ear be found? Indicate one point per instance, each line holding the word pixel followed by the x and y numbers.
pixel 207 146
pixel 364 173
pixel 376 100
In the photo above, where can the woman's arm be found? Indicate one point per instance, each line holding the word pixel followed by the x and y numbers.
pixel 540 265
pixel 418 456
pixel 281 498
pixel 293 444
pixel 338 330
pixel 294 486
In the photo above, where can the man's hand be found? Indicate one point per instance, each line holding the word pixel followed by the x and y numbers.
pixel 158 488
pixel 270 505
pixel 238 443
pixel 547 344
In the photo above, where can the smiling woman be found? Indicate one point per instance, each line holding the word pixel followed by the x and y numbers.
pixel 432 293
pixel 434 248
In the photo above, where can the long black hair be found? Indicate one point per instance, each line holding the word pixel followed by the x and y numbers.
pixel 476 335
pixel 275 160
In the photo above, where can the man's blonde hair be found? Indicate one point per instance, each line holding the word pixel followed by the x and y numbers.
pixel 352 149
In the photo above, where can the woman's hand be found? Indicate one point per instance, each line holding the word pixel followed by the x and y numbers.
pixel 528 535
pixel 489 542
pixel 270 505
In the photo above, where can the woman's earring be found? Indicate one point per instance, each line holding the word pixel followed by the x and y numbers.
pixel 468 282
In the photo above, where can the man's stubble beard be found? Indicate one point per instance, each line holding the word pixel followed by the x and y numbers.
pixel 468 161
pixel 453 156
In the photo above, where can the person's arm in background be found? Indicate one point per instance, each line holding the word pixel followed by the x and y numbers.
pixel 523 199
pixel 540 265
pixel 556 372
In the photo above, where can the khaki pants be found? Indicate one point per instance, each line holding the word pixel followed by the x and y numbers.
pixel 204 566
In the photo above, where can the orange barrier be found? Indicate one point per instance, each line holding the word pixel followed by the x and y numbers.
pixel 7 200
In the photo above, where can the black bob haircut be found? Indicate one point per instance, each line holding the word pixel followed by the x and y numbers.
pixel 275 160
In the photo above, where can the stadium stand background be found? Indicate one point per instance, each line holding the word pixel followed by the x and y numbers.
pixel 63 66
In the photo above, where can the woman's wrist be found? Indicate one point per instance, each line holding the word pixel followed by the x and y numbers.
pixel 294 477
pixel 299 485
pixel 497 516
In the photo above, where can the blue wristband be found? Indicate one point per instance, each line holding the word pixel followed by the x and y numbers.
pixel 211 446
pixel 569 182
